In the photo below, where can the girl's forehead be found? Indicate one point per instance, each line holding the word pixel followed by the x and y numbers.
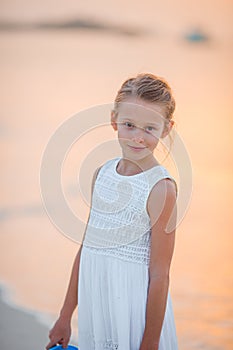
pixel 141 111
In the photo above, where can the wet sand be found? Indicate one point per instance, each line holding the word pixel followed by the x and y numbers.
pixel 20 330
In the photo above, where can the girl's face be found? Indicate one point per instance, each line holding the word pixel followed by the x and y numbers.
pixel 140 125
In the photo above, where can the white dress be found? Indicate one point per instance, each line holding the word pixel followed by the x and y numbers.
pixel 114 264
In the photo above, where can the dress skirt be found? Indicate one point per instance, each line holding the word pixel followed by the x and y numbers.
pixel 112 297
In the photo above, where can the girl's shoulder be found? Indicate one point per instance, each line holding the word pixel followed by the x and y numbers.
pixel 102 168
pixel 160 176
pixel 109 164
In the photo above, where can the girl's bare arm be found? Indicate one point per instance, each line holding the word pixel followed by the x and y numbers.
pixel 61 331
pixel 161 203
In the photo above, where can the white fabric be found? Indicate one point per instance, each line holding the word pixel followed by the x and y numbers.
pixel 113 273
pixel 119 214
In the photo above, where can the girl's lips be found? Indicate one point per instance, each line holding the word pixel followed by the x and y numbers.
pixel 137 148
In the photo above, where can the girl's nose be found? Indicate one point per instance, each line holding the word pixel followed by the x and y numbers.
pixel 138 135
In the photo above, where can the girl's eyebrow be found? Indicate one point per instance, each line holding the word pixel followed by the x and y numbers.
pixel 147 123
pixel 126 119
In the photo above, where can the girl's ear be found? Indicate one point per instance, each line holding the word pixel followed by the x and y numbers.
pixel 167 128
pixel 114 120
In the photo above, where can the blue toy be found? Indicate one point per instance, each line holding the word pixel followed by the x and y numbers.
pixel 59 347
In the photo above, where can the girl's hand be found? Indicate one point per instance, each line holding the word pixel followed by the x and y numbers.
pixel 147 345
pixel 142 347
pixel 60 333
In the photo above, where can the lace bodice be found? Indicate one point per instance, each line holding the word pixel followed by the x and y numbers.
pixel 119 224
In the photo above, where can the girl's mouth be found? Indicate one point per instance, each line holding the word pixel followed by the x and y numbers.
pixel 137 149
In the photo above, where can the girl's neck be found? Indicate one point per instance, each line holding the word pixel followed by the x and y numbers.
pixel 128 167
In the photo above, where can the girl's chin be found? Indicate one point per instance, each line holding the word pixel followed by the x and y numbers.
pixel 138 155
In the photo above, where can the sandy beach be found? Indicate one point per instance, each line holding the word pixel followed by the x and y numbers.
pixel 50 74
pixel 23 328
pixel 19 329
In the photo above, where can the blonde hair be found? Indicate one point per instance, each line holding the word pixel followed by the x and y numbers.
pixel 149 88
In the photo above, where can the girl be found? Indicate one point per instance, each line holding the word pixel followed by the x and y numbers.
pixel 120 277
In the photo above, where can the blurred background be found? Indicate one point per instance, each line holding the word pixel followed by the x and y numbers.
pixel 60 57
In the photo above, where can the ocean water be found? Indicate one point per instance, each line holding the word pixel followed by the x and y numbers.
pixel 49 75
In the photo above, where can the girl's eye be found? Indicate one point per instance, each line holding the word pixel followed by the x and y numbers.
pixel 150 128
pixel 129 125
